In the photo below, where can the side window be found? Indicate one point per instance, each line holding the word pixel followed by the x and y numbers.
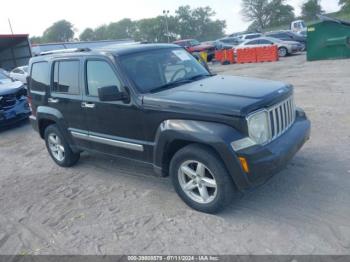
pixel 252 36
pixel 66 77
pixel 40 77
pixel 254 42
pixel 100 74
pixel 265 42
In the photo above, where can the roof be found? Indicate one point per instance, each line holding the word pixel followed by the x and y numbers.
pixel 11 40
pixel 183 40
pixel 117 50
pixel 331 19
pixel 87 42
pixel 129 49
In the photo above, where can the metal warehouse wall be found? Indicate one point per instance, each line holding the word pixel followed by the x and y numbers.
pixel 14 51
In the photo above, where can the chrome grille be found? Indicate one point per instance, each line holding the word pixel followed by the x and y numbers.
pixel 281 117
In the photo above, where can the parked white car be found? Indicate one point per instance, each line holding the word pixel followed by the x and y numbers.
pixel 284 47
pixel 20 74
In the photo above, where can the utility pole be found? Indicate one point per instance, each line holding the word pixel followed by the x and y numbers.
pixel 10 25
pixel 166 12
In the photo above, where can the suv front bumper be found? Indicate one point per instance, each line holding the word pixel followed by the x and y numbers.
pixel 265 161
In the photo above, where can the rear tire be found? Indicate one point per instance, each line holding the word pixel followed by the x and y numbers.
pixel 207 191
pixel 58 147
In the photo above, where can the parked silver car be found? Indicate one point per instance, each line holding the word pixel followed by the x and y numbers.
pixel 284 47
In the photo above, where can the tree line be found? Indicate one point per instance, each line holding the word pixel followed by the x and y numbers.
pixel 187 22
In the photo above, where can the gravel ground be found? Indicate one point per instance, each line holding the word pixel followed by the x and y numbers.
pixel 112 206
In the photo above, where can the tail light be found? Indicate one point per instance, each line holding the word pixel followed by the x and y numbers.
pixel 30 100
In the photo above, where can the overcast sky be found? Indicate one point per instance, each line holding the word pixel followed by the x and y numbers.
pixel 34 16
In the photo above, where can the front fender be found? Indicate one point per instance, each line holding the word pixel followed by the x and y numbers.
pixel 215 135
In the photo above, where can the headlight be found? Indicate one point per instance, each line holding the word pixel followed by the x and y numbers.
pixel 258 127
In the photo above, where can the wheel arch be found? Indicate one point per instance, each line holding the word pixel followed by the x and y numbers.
pixel 172 135
pixel 47 116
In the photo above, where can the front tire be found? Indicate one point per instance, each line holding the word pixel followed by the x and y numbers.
pixel 282 52
pixel 58 147
pixel 200 179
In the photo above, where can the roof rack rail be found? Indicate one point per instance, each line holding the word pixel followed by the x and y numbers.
pixel 70 50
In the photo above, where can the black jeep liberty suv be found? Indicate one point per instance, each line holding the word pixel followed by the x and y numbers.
pixel 155 103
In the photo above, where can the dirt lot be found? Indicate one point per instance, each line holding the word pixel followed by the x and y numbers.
pixel 110 206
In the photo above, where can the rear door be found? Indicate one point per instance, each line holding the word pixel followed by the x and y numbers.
pixel 66 94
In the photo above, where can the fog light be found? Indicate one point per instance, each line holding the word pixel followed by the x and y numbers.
pixel 244 164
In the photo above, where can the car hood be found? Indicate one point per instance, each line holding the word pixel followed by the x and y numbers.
pixel 228 95
pixel 9 87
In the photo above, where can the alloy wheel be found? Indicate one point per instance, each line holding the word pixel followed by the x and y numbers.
pixel 197 181
pixel 56 147
pixel 282 52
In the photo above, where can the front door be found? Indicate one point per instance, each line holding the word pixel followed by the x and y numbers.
pixel 114 127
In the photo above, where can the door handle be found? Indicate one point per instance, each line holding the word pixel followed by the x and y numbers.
pixel 53 100
pixel 87 105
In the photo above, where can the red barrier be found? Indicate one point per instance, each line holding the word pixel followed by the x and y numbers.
pixel 267 53
pixel 228 56
pixel 218 55
pixel 246 55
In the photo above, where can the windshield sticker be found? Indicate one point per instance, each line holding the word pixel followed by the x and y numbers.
pixel 183 55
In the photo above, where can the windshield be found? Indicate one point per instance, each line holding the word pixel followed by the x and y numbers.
pixel 194 42
pixel 153 70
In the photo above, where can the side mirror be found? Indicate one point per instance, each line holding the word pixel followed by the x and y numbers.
pixel 111 93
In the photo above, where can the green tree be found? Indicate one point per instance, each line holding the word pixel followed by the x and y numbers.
pixel 311 9
pixel 154 29
pixel 266 13
pixel 101 33
pixel 198 23
pixel 256 11
pixel 60 31
pixel 345 5
pixel 87 35
pixel 36 40
pixel 122 29
pixel 280 13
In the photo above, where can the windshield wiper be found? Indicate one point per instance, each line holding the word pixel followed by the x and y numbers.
pixel 179 82
pixel 171 84
pixel 197 77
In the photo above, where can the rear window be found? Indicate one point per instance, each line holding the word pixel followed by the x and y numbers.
pixel 66 77
pixel 40 77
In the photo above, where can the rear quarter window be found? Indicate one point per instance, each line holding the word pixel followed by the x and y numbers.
pixel 40 76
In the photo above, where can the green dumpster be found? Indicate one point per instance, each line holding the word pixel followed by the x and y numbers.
pixel 328 39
